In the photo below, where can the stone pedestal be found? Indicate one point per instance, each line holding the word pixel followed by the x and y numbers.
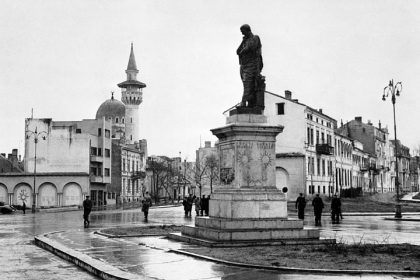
pixel 247 208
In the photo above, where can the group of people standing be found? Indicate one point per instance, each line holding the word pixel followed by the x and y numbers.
pixel 201 205
pixel 318 206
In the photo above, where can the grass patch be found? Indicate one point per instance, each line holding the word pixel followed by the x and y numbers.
pixel 332 256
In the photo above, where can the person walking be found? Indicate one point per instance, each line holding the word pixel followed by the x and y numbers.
pixel 190 202
pixel 300 206
pixel 197 205
pixel 23 207
pixel 318 205
pixel 146 203
pixel 203 205
pixel 335 209
pixel 87 208
pixel 207 205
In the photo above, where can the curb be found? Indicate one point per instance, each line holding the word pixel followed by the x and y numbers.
pixel 297 269
pixel 93 266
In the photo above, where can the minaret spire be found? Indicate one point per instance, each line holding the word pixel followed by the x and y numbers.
pixel 132 66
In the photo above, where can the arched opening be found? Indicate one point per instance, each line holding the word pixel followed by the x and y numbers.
pixel 22 193
pixel 47 195
pixel 3 194
pixel 72 194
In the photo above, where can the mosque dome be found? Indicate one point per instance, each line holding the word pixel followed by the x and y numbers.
pixel 111 108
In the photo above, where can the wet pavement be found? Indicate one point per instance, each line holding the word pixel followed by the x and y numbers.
pixel 149 256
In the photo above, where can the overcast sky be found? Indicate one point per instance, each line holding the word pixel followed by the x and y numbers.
pixel 63 58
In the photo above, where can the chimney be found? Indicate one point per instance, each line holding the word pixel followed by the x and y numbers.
pixel 9 156
pixel 288 94
pixel 358 119
pixel 369 122
pixel 320 110
pixel 207 144
pixel 380 125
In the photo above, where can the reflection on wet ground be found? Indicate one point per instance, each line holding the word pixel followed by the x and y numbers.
pixel 150 256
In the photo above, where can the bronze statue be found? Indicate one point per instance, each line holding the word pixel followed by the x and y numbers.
pixel 250 60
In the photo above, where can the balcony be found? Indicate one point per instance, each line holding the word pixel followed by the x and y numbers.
pixel 364 167
pixel 94 158
pixel 138 175
pixel 96 179
pixel 324 149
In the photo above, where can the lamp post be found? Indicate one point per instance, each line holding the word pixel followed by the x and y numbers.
pixel 35 134
pixel 393 91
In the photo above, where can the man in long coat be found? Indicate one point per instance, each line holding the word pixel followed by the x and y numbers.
pixel 318 205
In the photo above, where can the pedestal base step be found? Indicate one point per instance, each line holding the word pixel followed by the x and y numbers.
pixel 247 243
pixel 249 234
pixel 231 224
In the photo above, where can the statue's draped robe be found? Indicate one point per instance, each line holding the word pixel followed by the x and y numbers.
pixel 250 59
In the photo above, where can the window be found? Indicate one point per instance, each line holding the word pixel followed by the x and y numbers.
pixel 100 152
pixel 131 137
pixel 78 130
pixel 318 166
pixel 107 172
pixel 317 137
pixel 280 108
pixel 93 151
pixel 93 171
pixel 128 163
pixel 107 133
pixel 312 136
pixel 122 120
pixel 319 189
pixel 99 131
pixel 116 120
pixel 323 189
pixel 123 164
pixel 131 120
pixel 107 153
pixel 323 167
pixel 322 138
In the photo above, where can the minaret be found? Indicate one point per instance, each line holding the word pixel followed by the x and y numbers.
pixel 131 96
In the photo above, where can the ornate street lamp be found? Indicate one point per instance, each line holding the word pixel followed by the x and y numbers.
pixel 393 91
pixel 35 134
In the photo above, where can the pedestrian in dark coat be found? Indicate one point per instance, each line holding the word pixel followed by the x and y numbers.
pixel 87 208
pixel 203 205
pixel 335 209
pixel 190 202
pixel 197 205
pixel 318 205
pixel 23 207
pixel 146 203
pixel 207 205
pixel 300 206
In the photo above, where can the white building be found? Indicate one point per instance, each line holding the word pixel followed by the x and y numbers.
pixel 304 150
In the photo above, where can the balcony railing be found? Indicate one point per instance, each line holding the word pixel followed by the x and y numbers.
pixel 324 149
pixel 96 179
pixel 95 158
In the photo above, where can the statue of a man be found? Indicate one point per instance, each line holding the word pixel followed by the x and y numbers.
pixel 250 59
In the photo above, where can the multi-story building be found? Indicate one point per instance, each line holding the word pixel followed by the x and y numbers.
pixel 304 150
pixel 343 162
pixel 376 143
pixel 11 163
pixel 129 170
pixel 63 162
pixel 404 158
pixel 206 169
pixel 414 173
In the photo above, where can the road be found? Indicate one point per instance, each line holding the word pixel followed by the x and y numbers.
pixel 20 259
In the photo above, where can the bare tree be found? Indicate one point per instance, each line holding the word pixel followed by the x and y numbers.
pixel 212 166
